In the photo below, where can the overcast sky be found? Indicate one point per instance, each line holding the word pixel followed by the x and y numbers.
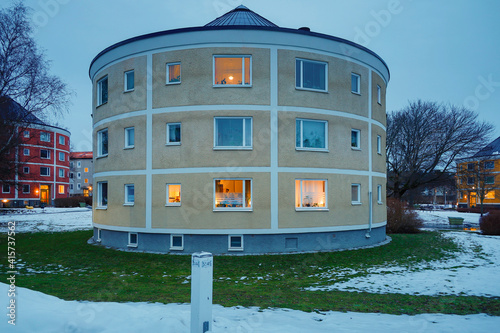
pixel 440 50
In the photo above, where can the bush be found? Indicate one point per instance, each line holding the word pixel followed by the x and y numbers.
pixel 490 223
pixel 72 201
pixel 400 219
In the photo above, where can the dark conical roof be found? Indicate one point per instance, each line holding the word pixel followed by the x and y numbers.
pixel 241 15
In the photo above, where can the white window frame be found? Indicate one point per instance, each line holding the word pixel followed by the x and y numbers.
pixel 26 170
pixel 100 91
pixel 79 164
pixel 172 143
pixel 61 173
pixel 178 248
pixel 167 72
pixel 61 154
pixel 301 86
pixel 130 243
pixel 99 194
pixel 234 209
pixel 379 94
pixel 126 80
pixel 99 143
pixel 79 187
pixel 358 135
pixel 301 208
pixel 358 86
pixel 127 136
pixel 48 154
pixel 243 146
pixel 230 248
pixel 173 204
pixel 379 145
pixel 26 134
pixel 45 136
pixel 79 175
pixel 126 202
pixel 48 171
pixel 62 140
pixel 379 194
pixel 243 79
pixel 357 201
pixel 28 187
pixel 301 120
pixel 26 152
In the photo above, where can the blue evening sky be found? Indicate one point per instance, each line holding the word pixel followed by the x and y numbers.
pixel 440 50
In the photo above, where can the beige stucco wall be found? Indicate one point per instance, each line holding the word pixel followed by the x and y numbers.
pixel 119 158
pixel 379 163
pixel 378 110
pixel 119 101
pixel 197 200
pixel 117 214
pixel 197 141
pixel 379 210
pixel 197 78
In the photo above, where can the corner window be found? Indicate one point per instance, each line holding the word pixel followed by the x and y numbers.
pixel 355 83
pixel 379 145
pixel 129 138
pixel 233 133
pixel 235 243
pixel 310 194
pixel 5 188
pixel 62 141
pixel 173 195
pixel 102 194
pixel 174 73
pixel 311 75
pixel 133 239
pixel 26 189
pixel 44 153
pixel 129 194
pixel 311 134
pixel 44 171
pixel 379 95
pixel 44 136
pixel 26 152
pixel 176 242
pixel 61 189
pixel 61 173
pixel 233 194
pixel 128 81
pixel 232 71
pixel 355 139
pixel 174 134
pixel 356 194
pixel 102 91
pixel 61 156
pixel 379 194
pixel 102 143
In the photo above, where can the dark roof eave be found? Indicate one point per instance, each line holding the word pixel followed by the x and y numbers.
pixel 240 27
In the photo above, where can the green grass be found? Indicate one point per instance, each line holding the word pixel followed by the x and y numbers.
pixel 64 265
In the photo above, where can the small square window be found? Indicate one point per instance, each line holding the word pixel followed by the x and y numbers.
pixel 61 156
pixel 379 145
pixel 173 195
pixel 133 239
pixel 61 173
pixel 174 134
pixel 128 81
pixel 489 180
pixel 5 188
pixel 44 153
pixel 233 133
pixel 379 194
pixel 26 134
pixel 176 242
pixel 44 136
pixel 355 139
pixel 44 171
pixel 471 180
pixel 102 91
pixel 102 194
pixel 311 75
pixel 310 194
pixel 129 137
pixel 26 170
pixel 231 71
pixel 26 189
pixel 355 83
pixel 311 135
pixel 62 141
pixel 102 143
pixel 129 194
pixel 356 194
pixel 26 152
pixel 235 243
pixel 174 73
pixel 61 189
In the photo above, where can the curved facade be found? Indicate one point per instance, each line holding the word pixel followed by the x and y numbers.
pixel 239 139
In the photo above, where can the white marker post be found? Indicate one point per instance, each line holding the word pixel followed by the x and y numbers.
pixel 201 292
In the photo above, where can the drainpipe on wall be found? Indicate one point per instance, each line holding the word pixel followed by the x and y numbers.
pixel 370 214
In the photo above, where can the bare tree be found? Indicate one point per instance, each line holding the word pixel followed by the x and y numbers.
pixel 24 79
pixel 425 138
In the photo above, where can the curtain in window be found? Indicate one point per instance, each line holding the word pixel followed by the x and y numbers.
pixel 230 132
pixel 313 75
pixel 310 193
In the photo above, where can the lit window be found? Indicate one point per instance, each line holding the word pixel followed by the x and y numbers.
pixel 355 83
pixel 62 141
pixel 129 137
pixel 132 239
pixel 61 172
pixel 44 171
pixel 26 189
pixel 489 180
pixel 5 188
pixel 128 81
pixel 379 94
pixel 356 194
pixel 490 195
pixel 235 243
pixel 44 153
pixel 489 165
pixel 311 134
pixel 102 91
pixel 379 144
pixel 44 136
pixel 311 75
pixel 174 73
pixel 310 194
pixel 176 242
pixel 233 133
pixel 174 134
pixel 61 156
pixel 129 194
pixel 61 189
pixel 232 71
pixel 173 195
pixel 86 170
pixel 355 139
pixel 86 181
pixel 26 170
pixel 379 194
pixel 26 152
pixel 102 143
pixel 233 194
pixel 26 134
pixel 102 194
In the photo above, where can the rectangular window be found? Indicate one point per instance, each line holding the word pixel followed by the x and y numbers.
pixel 311 75
pixel 355 139
pixel 26 152
pixel 173 195
pixel 233 71
pixel 61 156
pixel 379 145
pixel 102 91
pixel 489 180
pixel 86 170
pixel 71 175
pixel 355 83
pixel 379 95
pixel 79 175
pixel 86 180
pixel 233 194
pixel 356 194
pixel 62 141
pixel 490 195
pixel 26 134
pixel 71 186
pixel 176 242
pixel 102 194
pixel 71 164
pixel 235 243
pixel 61 173
pixel 470 166
pixel 26 170
pixel 102 143
pixel 78 186
pixel 44 171
pixel 128 81
pixel 311 134
pixel 489 165
pixel 174 73
pixel 129 194
pixel 379 194
pixel 233 133
pixel 61 189
pixel 133 239
pixel 26 189
pixel 174 134
pixel 310 194
pixel 471 180
pixel 44 136
pixel 44 153
pixel 129 137
pixel 5 188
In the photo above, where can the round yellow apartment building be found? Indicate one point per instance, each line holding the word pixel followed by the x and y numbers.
pixel 239 137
